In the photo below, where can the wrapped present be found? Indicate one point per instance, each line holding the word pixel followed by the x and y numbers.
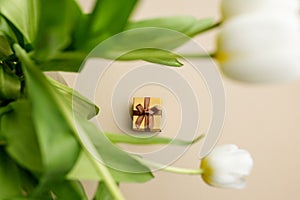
pixel 146 114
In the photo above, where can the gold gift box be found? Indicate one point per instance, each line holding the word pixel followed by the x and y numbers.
pixel 146 114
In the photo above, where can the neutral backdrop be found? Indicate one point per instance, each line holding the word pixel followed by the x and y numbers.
pixel 264 119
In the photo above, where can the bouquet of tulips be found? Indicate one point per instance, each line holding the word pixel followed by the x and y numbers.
pixel 47 143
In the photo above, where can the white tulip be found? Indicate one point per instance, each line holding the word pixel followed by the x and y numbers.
pixel 260 47
pixel 227 166
pixel 232 8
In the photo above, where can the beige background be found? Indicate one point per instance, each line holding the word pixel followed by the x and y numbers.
pixel 263 119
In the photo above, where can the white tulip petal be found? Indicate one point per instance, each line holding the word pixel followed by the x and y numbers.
pixel 226 166
pixel 260 48
pixel 250 33
pixel 231 8
pixel 261 66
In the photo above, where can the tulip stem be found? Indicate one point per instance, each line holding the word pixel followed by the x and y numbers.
pixel 177 170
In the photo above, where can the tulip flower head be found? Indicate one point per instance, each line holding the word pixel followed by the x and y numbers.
pixel 261 45
pixel 227 166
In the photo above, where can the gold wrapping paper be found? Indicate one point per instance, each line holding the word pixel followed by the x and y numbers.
pixel 146 114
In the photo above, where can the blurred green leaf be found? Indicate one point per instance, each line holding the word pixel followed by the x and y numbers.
pixel 5 49
pixel 58 145
pixel 201 25
pixel 173 62
pixel 14 182
pixel 72 190
pixel 153 40
pixel 123 138
pixel 9 177
pixel 81 105
pixel 85 170
pixel 108 153
pixel 128 177
pixel 57 21
pixel 23 14
pixel 65 61
pixel 102 192
pixel 10 85
pixel 153 55
pixel 178 23
pixel 21 139
pixel 171 32
pixel 7 31
pixel 108 18
pixel 187 25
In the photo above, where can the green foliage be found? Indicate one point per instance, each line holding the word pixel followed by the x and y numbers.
pixel 102 192
pixel 10 85
pixel 54 133
pixel 113 14
pixel 55 29
pixel 85 170
pixel 23 15
pixel 47 144
pixel 14 181
pixel 5 49
pixel 22 142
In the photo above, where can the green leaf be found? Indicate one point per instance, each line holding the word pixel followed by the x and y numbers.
pixel 106 152
pixel 85 170
pixel 14 182
pixel 108 18
pixel 102 192
pixel 5 49
pixel 200 26
pixel 180 29
pixel 184 24
pixel 128 177
pixel 81 105
pixel 58 145
pixel 153 55
pixel 10 85
pixel 7 31
pixel 57 21
pixel 21 139
pixel 123 138
pixel 139 44
pixel 173 62
pixel 178 23
pixel 23 15
pixel 64 61
pixel 152 40
pixel 111 155
pixel 9 177
pixel 72 190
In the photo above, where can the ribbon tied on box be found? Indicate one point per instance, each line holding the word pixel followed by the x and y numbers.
pixel 146 114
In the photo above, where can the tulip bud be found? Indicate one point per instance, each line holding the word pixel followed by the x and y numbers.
pixel 232 8
pixel 260 47
pixel 227 166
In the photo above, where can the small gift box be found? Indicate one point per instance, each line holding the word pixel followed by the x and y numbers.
pixel 146 114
